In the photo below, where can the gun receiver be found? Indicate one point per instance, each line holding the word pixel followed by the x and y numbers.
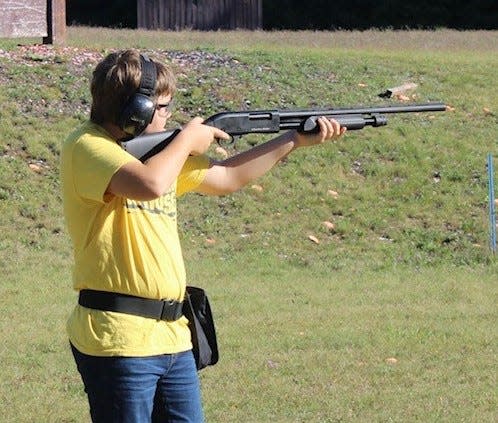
pixel 272 121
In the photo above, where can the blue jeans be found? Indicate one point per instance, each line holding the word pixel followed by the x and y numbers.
pixel 163 388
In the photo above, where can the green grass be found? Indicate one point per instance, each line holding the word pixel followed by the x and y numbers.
pixel 396 346
pixel 391 317
pixel 321 346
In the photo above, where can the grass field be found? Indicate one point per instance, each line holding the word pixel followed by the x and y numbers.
pixel 388 315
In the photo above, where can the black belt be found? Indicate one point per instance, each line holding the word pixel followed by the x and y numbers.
pixel 168 310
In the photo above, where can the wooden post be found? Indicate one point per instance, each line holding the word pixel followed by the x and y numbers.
pixel 56 22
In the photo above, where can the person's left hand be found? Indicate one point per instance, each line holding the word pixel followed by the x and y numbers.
pixel 329 130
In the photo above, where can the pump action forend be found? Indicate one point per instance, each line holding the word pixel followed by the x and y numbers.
pixel 272 121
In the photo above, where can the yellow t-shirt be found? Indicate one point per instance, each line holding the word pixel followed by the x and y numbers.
pixel 124 246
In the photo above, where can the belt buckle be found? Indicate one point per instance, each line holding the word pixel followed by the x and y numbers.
pixel 169 310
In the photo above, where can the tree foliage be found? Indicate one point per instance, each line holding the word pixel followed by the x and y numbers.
pixel 394 14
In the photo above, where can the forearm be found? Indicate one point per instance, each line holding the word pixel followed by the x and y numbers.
pixel 149 180
pixel 235 172
pixel 249 165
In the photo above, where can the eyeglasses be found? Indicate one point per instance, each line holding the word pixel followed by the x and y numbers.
pixel 164 109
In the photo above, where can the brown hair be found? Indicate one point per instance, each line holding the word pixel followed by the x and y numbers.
pixel 117 78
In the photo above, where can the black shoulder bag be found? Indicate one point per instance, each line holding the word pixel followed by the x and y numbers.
pixel 197 310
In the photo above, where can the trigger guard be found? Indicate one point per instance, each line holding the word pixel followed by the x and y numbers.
pixel 221 142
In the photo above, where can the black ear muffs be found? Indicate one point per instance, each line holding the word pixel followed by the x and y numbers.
pixel 139 110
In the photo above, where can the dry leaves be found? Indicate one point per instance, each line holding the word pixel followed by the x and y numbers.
pixel 401 97
pixel 314 239
pixel 38 166
pixel 333 194
pixel 45 53
pixel 329 225
pixel 35 168
pixel 272 364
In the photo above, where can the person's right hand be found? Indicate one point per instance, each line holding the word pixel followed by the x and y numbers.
pixel 201 136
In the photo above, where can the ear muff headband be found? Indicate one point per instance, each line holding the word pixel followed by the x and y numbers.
pixel 148 76
pixel 139 110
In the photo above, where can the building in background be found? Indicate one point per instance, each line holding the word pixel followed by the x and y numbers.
pixel 34 18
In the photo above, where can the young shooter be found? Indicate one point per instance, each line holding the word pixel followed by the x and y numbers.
pixel 121 217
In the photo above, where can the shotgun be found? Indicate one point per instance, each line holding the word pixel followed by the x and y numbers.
pixel 272 121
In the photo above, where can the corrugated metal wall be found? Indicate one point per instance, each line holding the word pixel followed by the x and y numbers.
pixel 199 14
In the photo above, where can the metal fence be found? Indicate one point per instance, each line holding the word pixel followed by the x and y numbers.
pixel 199 14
